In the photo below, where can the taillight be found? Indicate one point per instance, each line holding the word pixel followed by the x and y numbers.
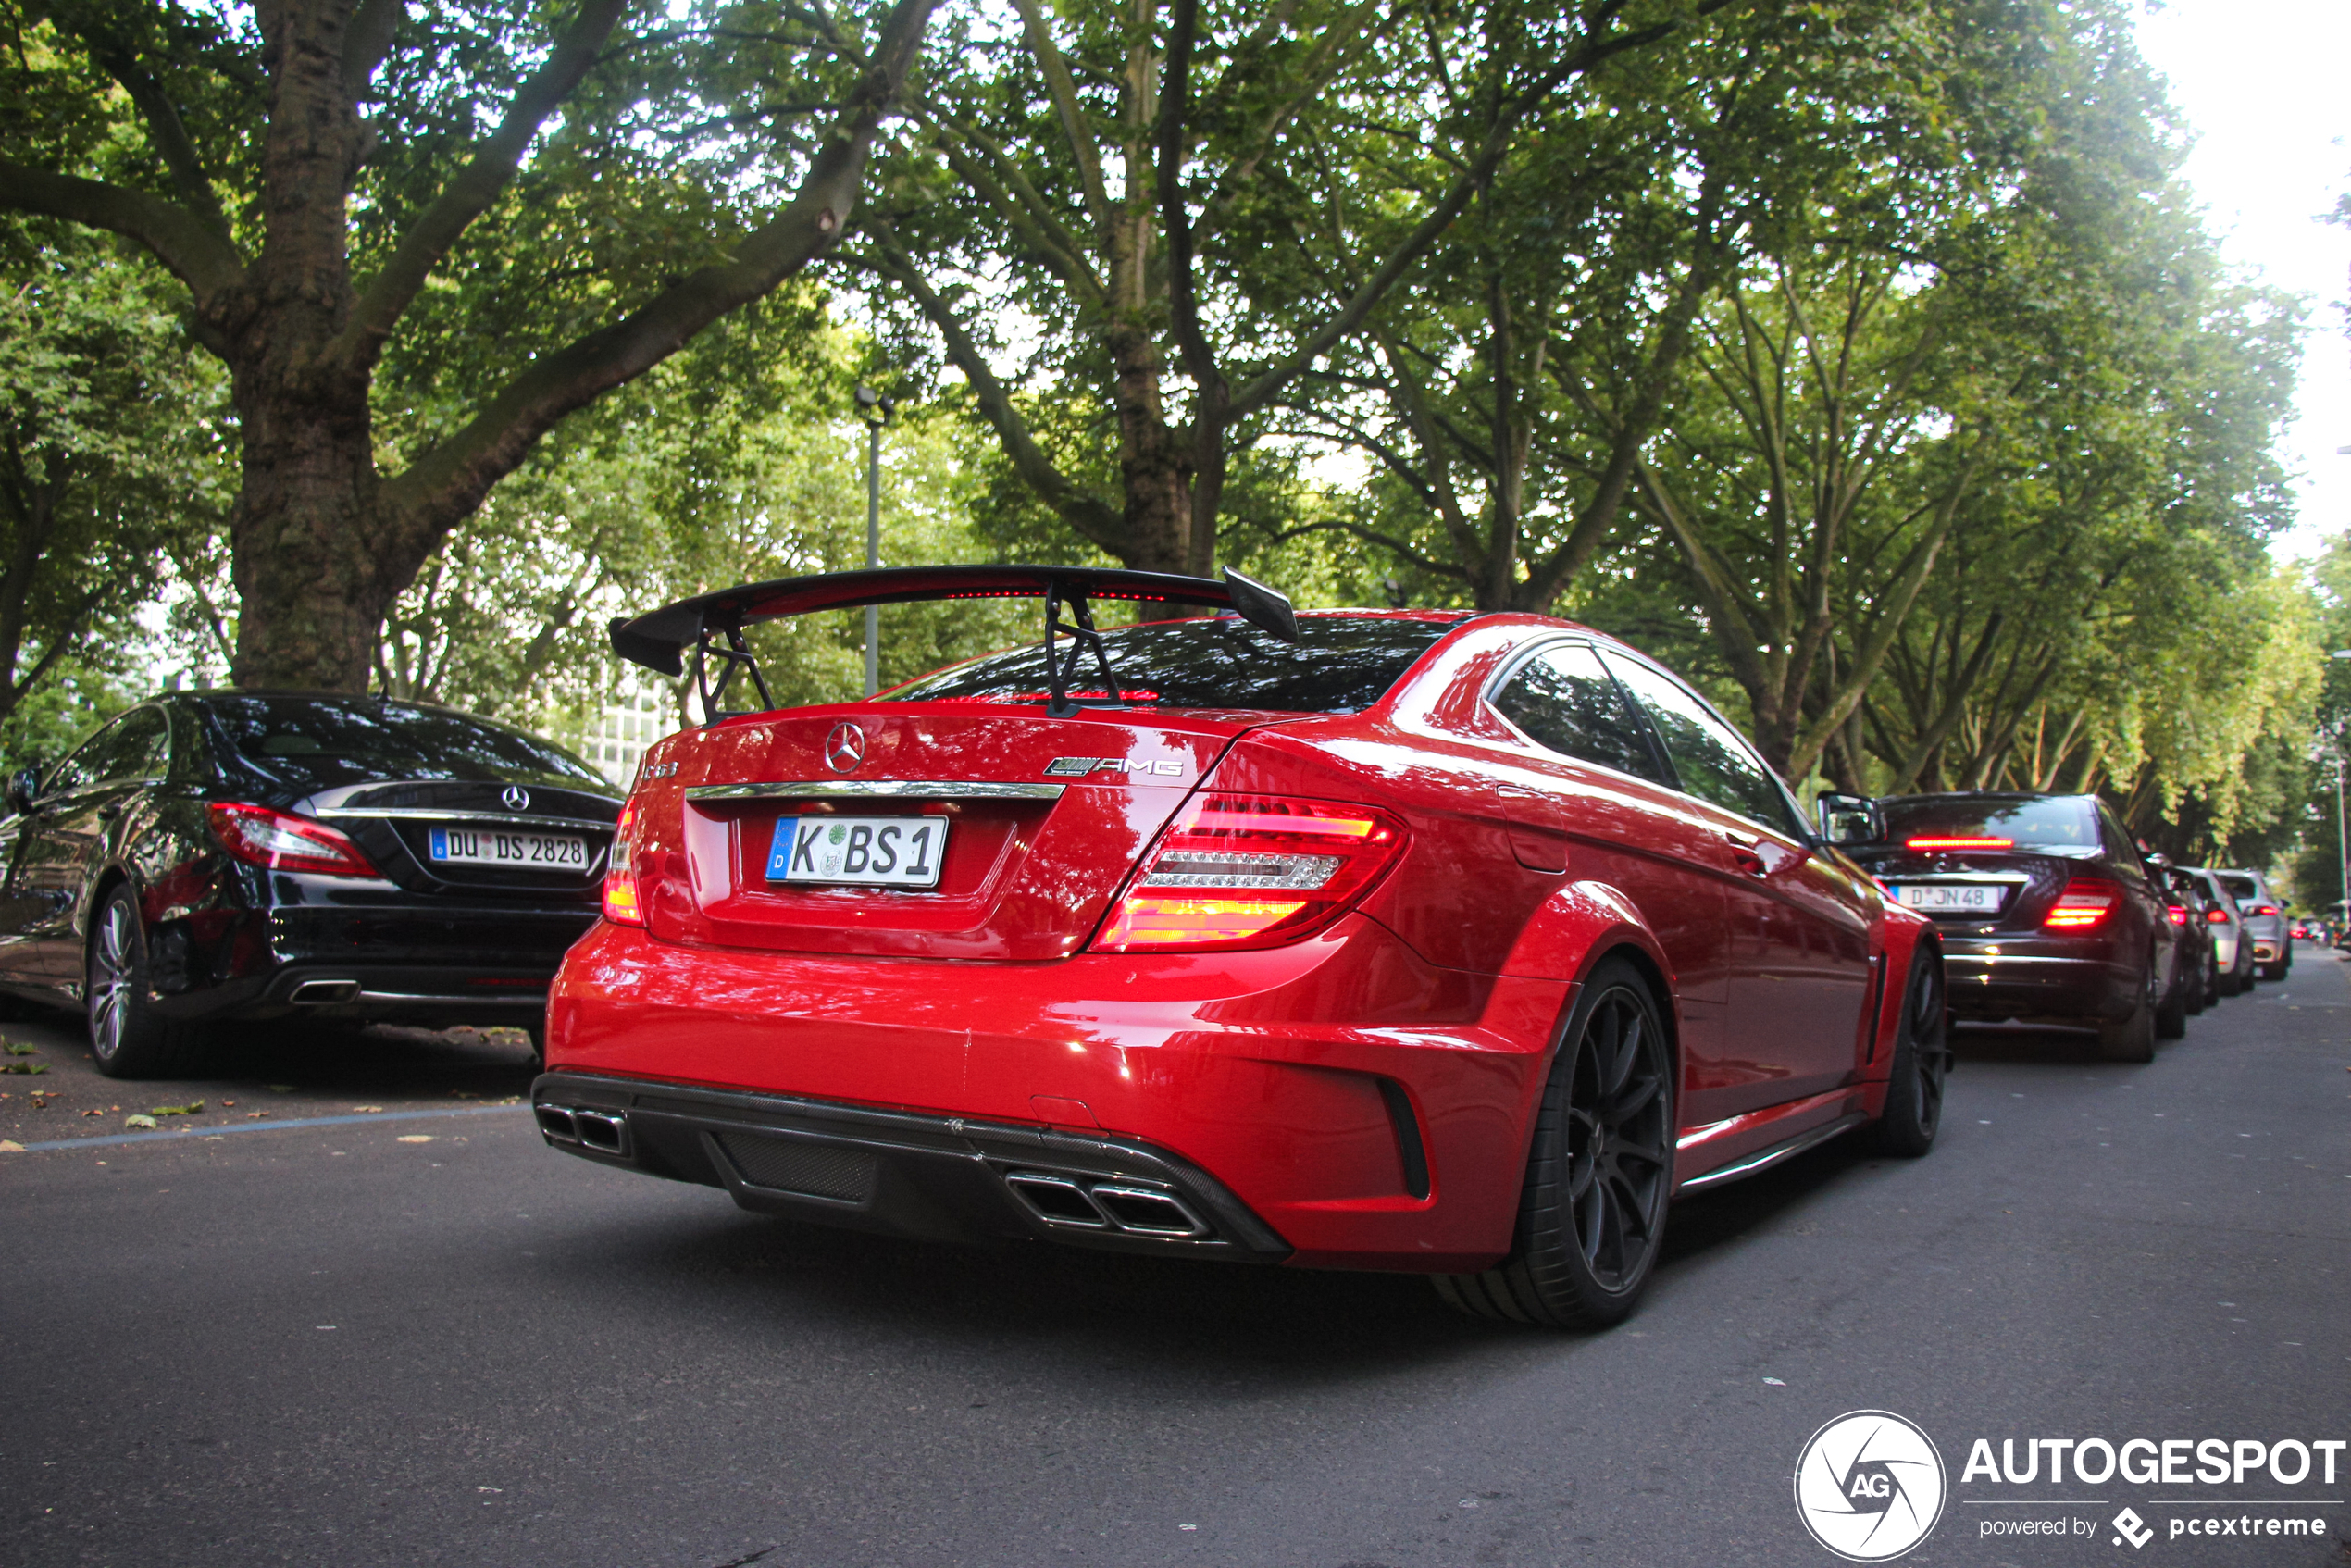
pixel 1959 843
pixel 2263 909
pixel 1236 871
pixel 2216 916
pixel 278 840
pixel 621 905
pixel 2083 905
pixel 2178 913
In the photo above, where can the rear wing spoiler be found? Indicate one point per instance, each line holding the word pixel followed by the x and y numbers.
pixel 712 624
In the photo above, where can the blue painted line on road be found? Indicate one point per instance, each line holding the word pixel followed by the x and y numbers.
pixel 268 1127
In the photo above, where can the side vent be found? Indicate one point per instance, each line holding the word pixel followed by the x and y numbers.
pixel 1410 1152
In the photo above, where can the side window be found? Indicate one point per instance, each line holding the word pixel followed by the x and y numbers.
pixel 1565 702
pixel 84 766
pixel 144 747
pixel 2120 851
pixel 1714 765
pixel 137 745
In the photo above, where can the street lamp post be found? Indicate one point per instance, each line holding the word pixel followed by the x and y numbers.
pixel 2342 848
pixel 875 410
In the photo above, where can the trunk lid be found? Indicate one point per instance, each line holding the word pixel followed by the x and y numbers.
pixel 1041 820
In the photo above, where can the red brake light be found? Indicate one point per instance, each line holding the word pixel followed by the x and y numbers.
pixel 2263 909
pixel 1239 871
pixel 278 840
pixel 2216 916
pixel 2178 913
pixel 621 905
pixel 2083 905
pixel 1959 843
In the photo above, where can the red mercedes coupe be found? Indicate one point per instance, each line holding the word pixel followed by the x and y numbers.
pixel 1448 942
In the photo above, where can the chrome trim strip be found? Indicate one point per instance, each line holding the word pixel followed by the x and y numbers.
pixel 870 789
pixel 491 998
pixel 427 813
pixel 1764 1158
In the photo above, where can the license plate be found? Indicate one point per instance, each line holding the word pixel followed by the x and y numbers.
pixel 523 851
pixel 879 852
pixel 1935 899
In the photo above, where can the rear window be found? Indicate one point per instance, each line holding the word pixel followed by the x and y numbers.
pixel 1340 665
pixel 317 742
pixel 2242 888
pixel 2041 824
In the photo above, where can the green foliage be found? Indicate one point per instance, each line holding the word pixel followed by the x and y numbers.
pixel 115 461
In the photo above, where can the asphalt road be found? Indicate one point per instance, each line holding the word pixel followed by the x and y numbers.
pixel 422 1338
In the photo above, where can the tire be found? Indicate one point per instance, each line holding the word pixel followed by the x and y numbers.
pixel 2133 1038
pixel 2171 1013
pixel 2273 971
pixel 1592 1212
pixel 1922 1060
pixel 128 1039
pixel 2212 992
pixel 2194 992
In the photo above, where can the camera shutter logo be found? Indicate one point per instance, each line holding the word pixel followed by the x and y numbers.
pixel 1869 1486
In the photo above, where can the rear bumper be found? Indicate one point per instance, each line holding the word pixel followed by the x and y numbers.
pixel 1366 1109
pixel 904 1173
pixel 413 966
pixel 2037 979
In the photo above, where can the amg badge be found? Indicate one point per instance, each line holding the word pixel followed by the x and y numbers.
pixel 1079 767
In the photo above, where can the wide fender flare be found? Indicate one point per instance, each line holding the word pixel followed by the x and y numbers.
pixel 1573 930
pixel 1900 936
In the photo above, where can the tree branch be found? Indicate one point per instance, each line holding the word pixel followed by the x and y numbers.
pixel 367 40
pixel 1093 517
pixel 473 188
pixel 450 480
pixel 1073 115
pixel 196 255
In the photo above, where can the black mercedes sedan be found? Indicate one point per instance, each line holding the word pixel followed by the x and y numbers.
pixel 2048 912
pixel 217 855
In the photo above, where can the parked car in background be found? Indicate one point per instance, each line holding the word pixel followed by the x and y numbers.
pixel 2199 969
pixel 1423 941
pixel 214 855
pixel 2046 910
pixel 2264 922
pixel 2232 954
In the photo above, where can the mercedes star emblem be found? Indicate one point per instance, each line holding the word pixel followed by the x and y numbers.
pixel 844 748
pixel 516 798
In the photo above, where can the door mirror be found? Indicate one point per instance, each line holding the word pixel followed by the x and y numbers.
pixel 1848 819
pixel 2158 861
pixel 23 785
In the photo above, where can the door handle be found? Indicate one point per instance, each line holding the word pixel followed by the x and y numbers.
pixel 1744 855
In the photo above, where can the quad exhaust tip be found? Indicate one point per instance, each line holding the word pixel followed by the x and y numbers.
pixel 606 1132
pixel 1072 1201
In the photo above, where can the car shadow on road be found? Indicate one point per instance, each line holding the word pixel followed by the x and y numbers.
pixel 1294 1324
pixel 2020 1042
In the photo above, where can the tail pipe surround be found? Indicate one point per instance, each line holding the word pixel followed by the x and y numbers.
pixel 606 1132
pixel 1071 1199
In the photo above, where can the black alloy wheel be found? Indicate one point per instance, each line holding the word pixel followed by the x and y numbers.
pixel 1921 1062
pixel 1592 1213
pixel 126 1036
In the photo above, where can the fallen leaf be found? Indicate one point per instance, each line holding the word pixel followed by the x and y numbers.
pixel 94 1113
pixel 10 1146
pixel 1775 1382
pixel 255 1115
pixel 367 1110
pixel 194 1107
pixel 227 1102
pixel 138 1120
pixel 25 1067
pixel 16 1049
pixel 415 1138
